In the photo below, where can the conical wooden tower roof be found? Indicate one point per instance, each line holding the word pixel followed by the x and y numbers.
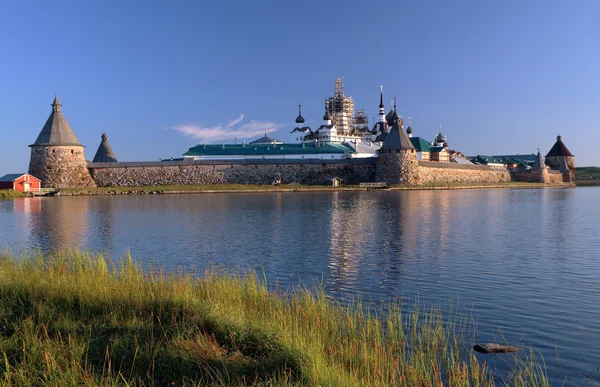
pixel 559 149
pixel 397 139
pixel 56 131
pixel 539 162
pixel 105 154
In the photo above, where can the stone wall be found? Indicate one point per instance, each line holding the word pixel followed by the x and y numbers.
pixel 547 176
pixel 554 162
pixel 443 173
pixel 60 166
pixel 397 167
pixel 394 168
pixel 173 173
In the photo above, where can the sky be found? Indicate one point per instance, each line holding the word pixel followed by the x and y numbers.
pixel 160 77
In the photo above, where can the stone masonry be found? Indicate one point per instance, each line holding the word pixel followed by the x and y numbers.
pixel 60 166
pixel 122 175
pixel 398 167
pixel 432 172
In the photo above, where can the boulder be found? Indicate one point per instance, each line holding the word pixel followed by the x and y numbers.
pixel 494 348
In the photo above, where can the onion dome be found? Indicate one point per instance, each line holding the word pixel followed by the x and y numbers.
pixel 445 144
pixel 390 117
pixel 440 138
pixel 409 130
pixel 327 116
pixel 299 119
pixel 392 120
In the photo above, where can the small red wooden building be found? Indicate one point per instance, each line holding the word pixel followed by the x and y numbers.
pixel 22 182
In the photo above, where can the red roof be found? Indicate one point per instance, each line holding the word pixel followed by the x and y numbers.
pixel 559 149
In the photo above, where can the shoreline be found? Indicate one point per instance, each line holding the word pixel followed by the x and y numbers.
pixel 77 318
pixel 178 190
pixel 256 188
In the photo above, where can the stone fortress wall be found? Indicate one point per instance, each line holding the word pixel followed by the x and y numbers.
pixel 432 172
pixel 135 174
pixel 255 172
pixel 548 176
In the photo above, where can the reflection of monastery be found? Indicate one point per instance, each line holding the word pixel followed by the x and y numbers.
pixel 344 146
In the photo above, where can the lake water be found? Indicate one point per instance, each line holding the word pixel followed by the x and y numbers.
pixel 524 262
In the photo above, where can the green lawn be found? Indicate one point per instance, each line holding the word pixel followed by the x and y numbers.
pixel 75 319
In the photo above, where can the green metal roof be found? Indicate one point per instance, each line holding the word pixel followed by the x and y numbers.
pixel 420 144
pixel 266 149
pixel 480 159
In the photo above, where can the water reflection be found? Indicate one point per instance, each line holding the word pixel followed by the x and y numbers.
pixel 525 261
pixel 57 223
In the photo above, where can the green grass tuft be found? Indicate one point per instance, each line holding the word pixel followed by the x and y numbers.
pixel 11 194
pixel 77 319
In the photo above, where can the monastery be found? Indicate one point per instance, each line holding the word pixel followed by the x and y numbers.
pixel 344 146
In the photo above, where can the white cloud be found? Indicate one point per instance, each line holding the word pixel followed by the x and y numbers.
pixel 231 129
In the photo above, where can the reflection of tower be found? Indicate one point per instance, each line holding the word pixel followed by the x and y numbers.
pixel 351 218
pixel 62 223
pixel 105 222
pixel 341 107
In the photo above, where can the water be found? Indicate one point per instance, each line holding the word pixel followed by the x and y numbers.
pixel 524 262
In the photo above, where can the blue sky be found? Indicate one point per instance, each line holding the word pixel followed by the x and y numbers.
pixel 500 77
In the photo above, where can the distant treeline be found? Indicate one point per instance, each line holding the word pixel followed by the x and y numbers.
pixel 587 173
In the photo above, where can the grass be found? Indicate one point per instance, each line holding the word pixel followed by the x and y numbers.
pixel 76 319
pixel 11 194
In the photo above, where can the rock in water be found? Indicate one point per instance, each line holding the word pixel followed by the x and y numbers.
pixel 494 348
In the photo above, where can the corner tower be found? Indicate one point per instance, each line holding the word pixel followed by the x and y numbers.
pixel 57 156
pixel 559 156
pixel 397 161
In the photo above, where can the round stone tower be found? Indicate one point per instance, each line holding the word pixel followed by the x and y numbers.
pixel 397 161
pixel 57 156
pixel 559 156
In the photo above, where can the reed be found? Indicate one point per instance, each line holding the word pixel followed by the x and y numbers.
pixel 78 319
pixel 11 194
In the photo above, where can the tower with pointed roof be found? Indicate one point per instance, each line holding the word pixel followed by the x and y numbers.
pixel 539 171
pixel 559 156
pixel 57 156
pixel 104 154
pixel 397 160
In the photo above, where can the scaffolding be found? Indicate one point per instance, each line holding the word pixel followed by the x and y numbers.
pixel 341 108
